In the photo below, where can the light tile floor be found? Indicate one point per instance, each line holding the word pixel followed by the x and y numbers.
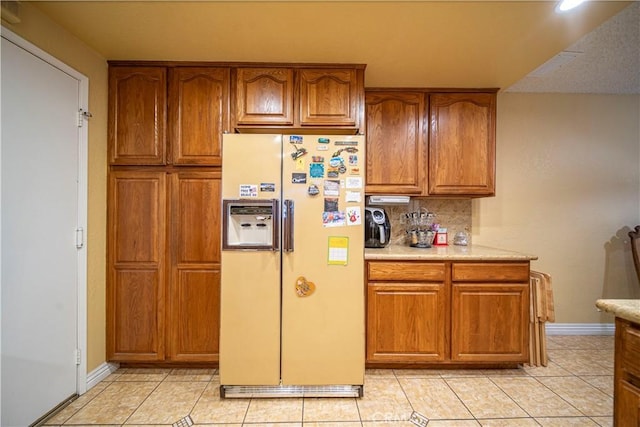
pixel 576 389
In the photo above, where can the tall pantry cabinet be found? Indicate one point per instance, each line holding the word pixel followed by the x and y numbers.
pixel 163 285
pixel 137 264
pixel 165 127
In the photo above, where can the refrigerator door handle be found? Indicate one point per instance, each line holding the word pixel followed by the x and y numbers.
pixel 275 237
pixel 287 217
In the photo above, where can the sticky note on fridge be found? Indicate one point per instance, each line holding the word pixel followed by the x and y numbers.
pixel 248 190
pixel 353 196
pixel 353 182
pixel 338 250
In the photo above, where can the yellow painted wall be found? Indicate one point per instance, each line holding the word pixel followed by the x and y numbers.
pixel 568 191
pixel 48 36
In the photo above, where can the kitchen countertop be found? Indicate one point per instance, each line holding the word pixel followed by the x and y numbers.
pixel 628 309
pixel 445 253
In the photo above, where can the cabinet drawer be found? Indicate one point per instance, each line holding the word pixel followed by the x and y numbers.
pixel 631 350
pixel 416 271
pixel 490 272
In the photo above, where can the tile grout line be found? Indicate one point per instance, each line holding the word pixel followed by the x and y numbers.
pixel 559 396
pixel 199 397
pixel 143 400
pixel 596 387
pixel 404 393
pixel 572 374
pixel 110 384
pixel 510 397
pixel 460 399
pixel 75 411
pixel 358 406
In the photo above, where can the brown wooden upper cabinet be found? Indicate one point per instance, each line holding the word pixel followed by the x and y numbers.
pixel 396 144
pixel 454 130
pixel 330 97
pixel 137 115
pixel 264 96
pixel 198 114
pixel 196 100
pixel 462 144
pixel 176 113
pixel 299 97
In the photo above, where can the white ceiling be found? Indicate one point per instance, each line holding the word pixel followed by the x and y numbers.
pixel 608 61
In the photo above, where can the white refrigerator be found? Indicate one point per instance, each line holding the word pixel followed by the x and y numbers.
pixel 292 274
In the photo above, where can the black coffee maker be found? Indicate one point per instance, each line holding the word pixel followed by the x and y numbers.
pixel 377 229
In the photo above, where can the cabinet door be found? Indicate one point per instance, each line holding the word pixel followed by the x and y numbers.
pixel 137 115
pixel 627 405
pixel 264 96
pixel 194 290
pixel 329 97
pixel 396 148
pixel 406 322
pixel 490 322
pixel 626 396
pixel 462 144
pixel 198 114
pixel 136 253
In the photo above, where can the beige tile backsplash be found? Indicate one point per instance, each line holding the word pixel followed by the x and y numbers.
pixel 452 214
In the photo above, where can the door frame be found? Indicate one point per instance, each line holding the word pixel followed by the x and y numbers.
pixel 83 137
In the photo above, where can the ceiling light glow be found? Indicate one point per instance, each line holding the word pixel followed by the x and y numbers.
pixel 568 5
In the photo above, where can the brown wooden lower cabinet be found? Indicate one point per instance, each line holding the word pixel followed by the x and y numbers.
pixel 136 252
pixel 195 316
pixel 163 288
pixel 422 313
pixel 407 322
pixel 490 322
pixel 194 296
pixel 626 397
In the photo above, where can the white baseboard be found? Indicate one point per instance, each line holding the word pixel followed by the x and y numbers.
pixel 100 373
pixel 580 328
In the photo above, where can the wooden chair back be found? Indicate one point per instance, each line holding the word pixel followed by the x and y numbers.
pixel 635 249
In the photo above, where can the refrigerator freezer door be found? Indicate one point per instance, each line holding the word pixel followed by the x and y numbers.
pixel 250 291
pixel 322 300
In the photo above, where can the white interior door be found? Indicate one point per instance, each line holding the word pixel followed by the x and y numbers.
pixel 40 213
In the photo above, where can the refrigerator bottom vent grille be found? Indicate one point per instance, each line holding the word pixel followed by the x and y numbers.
pixel 238 391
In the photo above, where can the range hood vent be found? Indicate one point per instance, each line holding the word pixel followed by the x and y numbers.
pixel 388 200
